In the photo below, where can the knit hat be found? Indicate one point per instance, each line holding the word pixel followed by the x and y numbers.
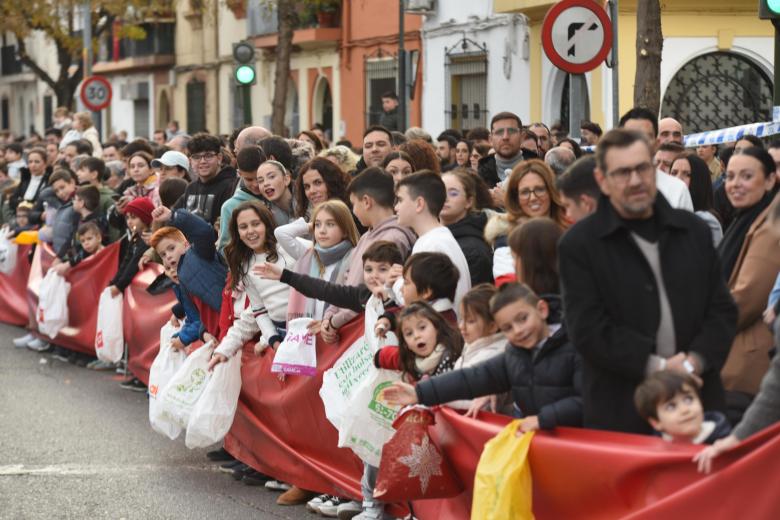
pixel 142 208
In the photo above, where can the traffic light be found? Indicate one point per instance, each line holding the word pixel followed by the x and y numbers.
pixel 244 69
pixel 769 9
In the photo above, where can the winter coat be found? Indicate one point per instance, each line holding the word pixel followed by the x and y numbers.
pixel 750 283
pixel 352 297
pixel 612 308
pixel 469 233
pixel 46 200
pixel 206 199
pixel 390 120
pixel 192 328
pixel 66 221
pixel 765 408
pixel 131 250
pixel 546 382
pixel 487 170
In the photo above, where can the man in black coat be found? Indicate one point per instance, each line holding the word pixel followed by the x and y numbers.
pixel 642 290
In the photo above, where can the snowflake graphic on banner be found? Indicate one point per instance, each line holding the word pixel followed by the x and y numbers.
pixel 424 462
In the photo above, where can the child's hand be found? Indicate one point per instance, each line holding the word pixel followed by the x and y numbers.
pixel 261 347
pixel 268 271
pixel 395 272
pixel 215 360
pixel 114 291
pixel 177 344
pixel 314 327
pixel 328 332
pixel 769 316
pixel 399 394
pixel 497 194
pixel 146 236
pixel 529 424
pixel 161 214
pixel 175 321
pixel 382 327
pixel 704 458
pixel 208 338
pixel 122 203
pixel 145 259
pixel 479 403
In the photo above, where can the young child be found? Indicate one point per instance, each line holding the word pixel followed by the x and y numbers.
pixel 86 203
pixel 372 196
pixel 91 172
pixel 419 200
pixel 22 220
pixel 335 234
pixel 539 366
pixel 66 219
pixel 90 242
pixel 670 402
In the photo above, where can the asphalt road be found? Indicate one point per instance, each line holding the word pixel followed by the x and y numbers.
pixel 73 444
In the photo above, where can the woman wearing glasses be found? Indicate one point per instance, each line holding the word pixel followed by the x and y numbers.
pixel 529 193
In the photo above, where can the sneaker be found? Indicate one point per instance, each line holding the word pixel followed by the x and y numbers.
pixel 240 470
pixel 38 345
pixel 313 505
pixel 373 511
pixel 101 365
pixel 23 341
pixel 330 507
pixel 255 478
pixel 134 385
pixel 229 467
pixel 121 368
pixel 277 485
pixel 220 455
pixel 60 354
pixel 348 510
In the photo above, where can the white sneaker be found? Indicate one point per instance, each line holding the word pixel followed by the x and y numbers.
pixel 275 485
pixel 315 503
pixel 349 510
pixel 38 345
pixel 330 507
pixel 371 512
pixel 23 341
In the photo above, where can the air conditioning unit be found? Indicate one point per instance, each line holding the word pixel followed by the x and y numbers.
pixel 420 6
pixel 134 90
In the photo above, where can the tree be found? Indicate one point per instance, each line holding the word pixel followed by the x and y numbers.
pixel 57 20
pixel 287 21
pixel 649 45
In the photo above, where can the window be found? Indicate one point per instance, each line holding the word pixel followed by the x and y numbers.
pixel 381 74
pixel 718 90
pixel 10 63
pixel 5 118
pixel 466 89
pixel 196 107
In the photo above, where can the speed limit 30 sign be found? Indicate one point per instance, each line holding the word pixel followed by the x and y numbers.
pixel 576 35
pixel 96 93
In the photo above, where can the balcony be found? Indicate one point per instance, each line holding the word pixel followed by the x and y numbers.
pixel 315 28
pixel 155 50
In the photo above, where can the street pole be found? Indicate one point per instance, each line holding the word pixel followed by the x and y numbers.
pixel 87 55
pixel 401 69
pixel 613 8
pixel 246 94
pixel 776 88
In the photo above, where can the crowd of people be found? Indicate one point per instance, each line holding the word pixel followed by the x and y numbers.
pixel 633 289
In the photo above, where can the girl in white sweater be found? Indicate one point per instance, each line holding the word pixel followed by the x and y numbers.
pixel 252 242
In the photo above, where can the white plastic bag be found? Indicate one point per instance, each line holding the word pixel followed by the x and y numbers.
pixel 164 367
pixel 109 335
pixel 179 396
pixel 212 416
pixel 298 352
pixel 8 253
pixel 52 311
pixel 354 366
pixel 367 423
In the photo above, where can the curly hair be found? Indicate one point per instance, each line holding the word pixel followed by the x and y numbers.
pixel 423 155
pixel 334 177
pixel 512 199
pixel 237 254
pixel 345 158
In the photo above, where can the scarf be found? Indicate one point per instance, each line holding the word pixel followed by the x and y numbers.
pixel 330 255
pixel 731 245
pixel 313 263
pixel 507 164
pixel 428 364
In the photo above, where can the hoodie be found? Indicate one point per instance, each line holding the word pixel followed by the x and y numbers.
pixel 206 199
pixel 389 230
pixel 469 233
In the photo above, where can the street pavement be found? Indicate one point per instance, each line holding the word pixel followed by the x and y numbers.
pixel 73 444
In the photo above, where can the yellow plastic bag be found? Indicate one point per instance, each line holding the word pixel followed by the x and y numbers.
pixel 26 238
pixel 502 485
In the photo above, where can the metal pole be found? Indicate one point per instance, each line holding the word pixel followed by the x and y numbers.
pixel 776 92
pixel 401 69
pixel 87 34
pixel 613 4
pixel 247 102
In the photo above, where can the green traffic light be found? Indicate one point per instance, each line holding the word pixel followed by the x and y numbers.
pixel 773 5
pixel 245 74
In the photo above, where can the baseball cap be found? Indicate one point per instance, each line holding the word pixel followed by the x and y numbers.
pixel 172 158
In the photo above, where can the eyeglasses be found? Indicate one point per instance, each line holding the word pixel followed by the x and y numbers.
pixel 624 174
pixel 205 156
pixel 538 192
pixel 506 131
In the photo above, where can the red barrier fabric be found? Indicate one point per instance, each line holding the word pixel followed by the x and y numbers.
pixel 144 315
pixel 13 290
pixel 87 280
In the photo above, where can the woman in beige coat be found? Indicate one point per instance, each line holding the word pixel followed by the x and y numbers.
pixel 750 253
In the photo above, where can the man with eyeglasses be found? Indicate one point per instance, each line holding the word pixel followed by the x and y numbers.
pixel 213 184
pixel 642 289
pixel 506 140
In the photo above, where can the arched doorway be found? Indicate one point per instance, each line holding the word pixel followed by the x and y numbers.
pixel 718 90
pixel 322 106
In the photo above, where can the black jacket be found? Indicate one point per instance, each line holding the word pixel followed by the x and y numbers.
pixel 469 232
pixel 612 309
pixel 206 199
pixel 390 120
pixel 487 170
pixel 130 252
pixel 18 195
pixel 546 382
pixel 352 297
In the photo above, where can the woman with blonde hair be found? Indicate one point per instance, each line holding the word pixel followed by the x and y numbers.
pixel 530 192
pixel 82 122
pixel 342 157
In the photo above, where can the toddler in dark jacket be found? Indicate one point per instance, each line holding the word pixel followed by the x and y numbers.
pixel 539 367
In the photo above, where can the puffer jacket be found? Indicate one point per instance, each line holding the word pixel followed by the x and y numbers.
pixel 469 233
pixel 545 382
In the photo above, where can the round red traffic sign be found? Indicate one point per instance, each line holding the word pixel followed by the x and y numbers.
pixel 576 35
pixel 96 93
